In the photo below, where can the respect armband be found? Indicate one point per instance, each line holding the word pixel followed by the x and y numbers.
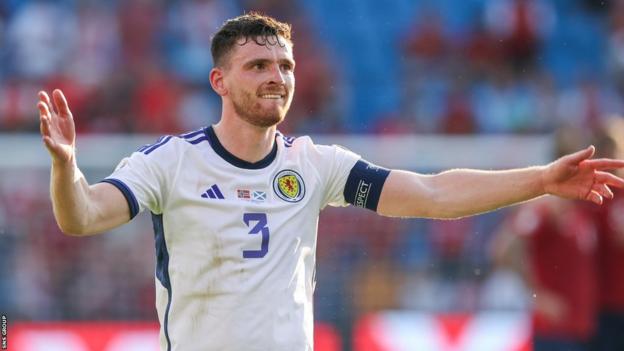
pixel 364 185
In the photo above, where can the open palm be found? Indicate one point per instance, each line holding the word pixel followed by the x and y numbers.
pixel 57 126
pixel 576 176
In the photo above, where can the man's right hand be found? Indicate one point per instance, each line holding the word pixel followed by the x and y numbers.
pixel 79 208
pixel 57 126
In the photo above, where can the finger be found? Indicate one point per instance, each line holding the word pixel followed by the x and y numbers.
pixel 61 103
pixel 604 164
pixel 44 118
pixel 594 197
pixel 579 156
pixel 44 126
pixel 43 96
pixel 609 179
pixel 603 190
pixel 43 109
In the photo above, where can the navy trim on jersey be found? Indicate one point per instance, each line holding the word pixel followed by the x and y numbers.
pixel 127 193
pixel 226 155
pixel 160 143
pixel 364 184
pixel 288 141
pixel 146 146
pixel 192 134
pixel 147 149
pixel 162 268
pixel 198 140
pixel 195 137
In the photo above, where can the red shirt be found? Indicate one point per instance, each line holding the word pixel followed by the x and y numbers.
pixel 610 223
pixel 561 246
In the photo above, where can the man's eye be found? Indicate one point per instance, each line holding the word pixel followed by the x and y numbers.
pixel 287 67
pixel 258 66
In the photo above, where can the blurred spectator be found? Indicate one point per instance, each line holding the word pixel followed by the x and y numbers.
pixel 482 50
pixel 315 92
pixel 140 24
pixel 41 38
pixel 426 42
pixel 504 103
pixel 197 106
pixel 479 67
pixel 458 117
pixel 521 25
pixel 155 101
pixel 97 44
pixel 425 49
pixel 585 104
pixel 615 49
pixel 376 285
pixel 545 97
pixel 425 96
pixel 16 104
pixel 189 28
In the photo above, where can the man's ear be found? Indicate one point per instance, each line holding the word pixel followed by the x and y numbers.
pixel 216 81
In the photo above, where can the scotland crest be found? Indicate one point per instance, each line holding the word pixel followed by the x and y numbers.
pixel 288 186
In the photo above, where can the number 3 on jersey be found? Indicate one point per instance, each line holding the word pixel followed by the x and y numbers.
pixel 259 227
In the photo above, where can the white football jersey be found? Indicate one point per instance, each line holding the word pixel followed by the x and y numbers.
pixel 235 241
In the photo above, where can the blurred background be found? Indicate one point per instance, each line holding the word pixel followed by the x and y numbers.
pixel 416 84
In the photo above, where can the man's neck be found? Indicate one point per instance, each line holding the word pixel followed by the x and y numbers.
pixel 243 140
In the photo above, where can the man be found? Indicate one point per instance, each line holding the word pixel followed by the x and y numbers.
pixel 235 205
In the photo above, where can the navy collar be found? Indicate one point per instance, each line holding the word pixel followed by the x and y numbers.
pixel 235 161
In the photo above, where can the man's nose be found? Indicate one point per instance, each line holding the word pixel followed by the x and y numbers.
pixel 277 76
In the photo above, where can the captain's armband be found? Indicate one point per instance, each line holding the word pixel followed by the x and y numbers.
pixel 364 184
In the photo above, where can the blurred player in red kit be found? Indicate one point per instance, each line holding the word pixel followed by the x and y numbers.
pixel 553 244
pixel 610 256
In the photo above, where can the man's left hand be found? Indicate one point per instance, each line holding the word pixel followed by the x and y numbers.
pixel 577 176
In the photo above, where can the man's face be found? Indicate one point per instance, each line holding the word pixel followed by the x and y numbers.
pixel 260 81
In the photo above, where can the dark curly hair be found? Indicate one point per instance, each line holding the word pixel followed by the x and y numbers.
pixel 263 30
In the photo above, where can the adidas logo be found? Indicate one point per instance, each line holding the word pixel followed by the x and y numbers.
pixel 213 193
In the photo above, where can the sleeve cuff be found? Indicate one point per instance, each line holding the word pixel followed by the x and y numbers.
pixel 127 193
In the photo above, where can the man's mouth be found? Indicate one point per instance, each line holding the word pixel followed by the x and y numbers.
pixel 271 96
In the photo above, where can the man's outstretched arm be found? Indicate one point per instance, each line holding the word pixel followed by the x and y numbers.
pixel 463 192
pixel 79 209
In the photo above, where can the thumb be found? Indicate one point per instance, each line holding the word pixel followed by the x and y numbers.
pixel 580 156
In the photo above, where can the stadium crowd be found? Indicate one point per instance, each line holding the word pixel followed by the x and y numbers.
pixel 141 66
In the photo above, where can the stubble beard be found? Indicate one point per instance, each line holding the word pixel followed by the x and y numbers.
pixel 254 114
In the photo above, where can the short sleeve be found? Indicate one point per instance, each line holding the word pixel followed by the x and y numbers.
pixel 141 181
pixel 339 162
